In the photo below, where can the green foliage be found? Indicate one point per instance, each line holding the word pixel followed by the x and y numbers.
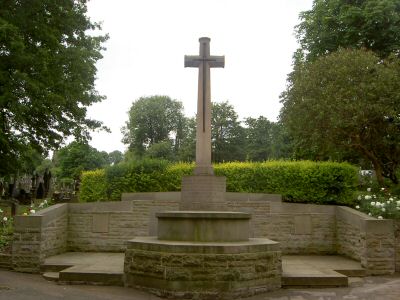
pixel 347 101
pixel 115 157
pixel 304 181
pixel 379 203
pixel 93 186
pixel 227 135
pixel 134 176
pixel 334 24
pixel 77 157
pixel 266 140
pixel 47 73
pixel 153 120
pixel 161 150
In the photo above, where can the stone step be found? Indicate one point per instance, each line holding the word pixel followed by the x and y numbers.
pixel 359 272
pixel 315 278
pixel 51 276
pixel 54 267
pixel 89 274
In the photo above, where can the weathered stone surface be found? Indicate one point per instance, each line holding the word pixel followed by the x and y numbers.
pixel 204 193
pixel 201 270
pixel 199 226
pixel 39 236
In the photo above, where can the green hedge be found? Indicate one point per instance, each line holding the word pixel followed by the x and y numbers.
pixel 301 181
pixel 93 186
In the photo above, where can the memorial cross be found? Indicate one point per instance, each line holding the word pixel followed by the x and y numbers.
pixel 204 61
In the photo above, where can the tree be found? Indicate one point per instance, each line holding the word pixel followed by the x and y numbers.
pixel 47 73
pixel 227 135
pixel 187 147
pixel 266 140
pixel 71 160
pixel 259 138
pixel 348 100
pixel 334 24
pixel 153 120
pixel 115 157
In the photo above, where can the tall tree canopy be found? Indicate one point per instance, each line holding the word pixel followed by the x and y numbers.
pixel 266 140
pixel 153 120
pixel 349 99
pixel 47 73
pixel 334 24
pixel 76 157
pixel 227 134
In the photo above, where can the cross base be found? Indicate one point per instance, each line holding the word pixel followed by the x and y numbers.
pixel 203 192
pixel 203 170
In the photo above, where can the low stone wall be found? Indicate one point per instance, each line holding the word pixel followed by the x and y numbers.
pixel 106 226
pixel 366 239
pixel 39 236
pixel 299 228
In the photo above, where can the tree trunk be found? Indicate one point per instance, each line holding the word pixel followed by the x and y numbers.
pixel 375 162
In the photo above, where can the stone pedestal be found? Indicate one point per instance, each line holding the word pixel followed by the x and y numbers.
pixel 202 226
pixel 190 270
pixel 204 193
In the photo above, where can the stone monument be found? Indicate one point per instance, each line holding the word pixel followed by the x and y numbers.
pixel 203 250
pixel 203 191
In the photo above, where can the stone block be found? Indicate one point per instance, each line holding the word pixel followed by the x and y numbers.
pixel 302 225
pixel 203 192
pixel 100 223
pixel 200 226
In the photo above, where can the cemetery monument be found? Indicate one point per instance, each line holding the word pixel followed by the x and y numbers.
pixel 203 250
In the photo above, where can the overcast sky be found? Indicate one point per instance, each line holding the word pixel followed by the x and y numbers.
pixel 148 41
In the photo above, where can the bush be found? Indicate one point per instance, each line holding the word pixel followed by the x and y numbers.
pixel 379 203
pixel 302 181
pixel 93 186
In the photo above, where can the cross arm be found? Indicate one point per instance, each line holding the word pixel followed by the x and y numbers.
pixel 192 61
pixel 216 61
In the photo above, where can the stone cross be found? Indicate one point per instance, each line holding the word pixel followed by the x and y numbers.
pixel 204 61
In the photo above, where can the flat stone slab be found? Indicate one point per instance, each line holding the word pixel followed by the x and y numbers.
pixel 86 268
pixel 319 270
pixel 252 245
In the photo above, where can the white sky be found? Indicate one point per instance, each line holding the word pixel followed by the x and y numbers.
pixel 148 41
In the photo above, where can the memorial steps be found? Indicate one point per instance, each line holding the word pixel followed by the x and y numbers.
pixel 108 269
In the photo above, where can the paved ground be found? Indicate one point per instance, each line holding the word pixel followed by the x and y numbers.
pixel 19 286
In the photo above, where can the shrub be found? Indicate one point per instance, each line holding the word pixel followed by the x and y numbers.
pixel 93 186
pixel 379 203
pixel 302 181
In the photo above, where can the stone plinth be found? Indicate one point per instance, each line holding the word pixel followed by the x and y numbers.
pixel 204 193
pixel 203 226
pixel 203 270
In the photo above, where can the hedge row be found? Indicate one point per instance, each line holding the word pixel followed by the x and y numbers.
pixel 300 181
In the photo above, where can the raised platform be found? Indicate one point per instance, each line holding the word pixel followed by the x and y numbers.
pixel 217 270
pixel 298 270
